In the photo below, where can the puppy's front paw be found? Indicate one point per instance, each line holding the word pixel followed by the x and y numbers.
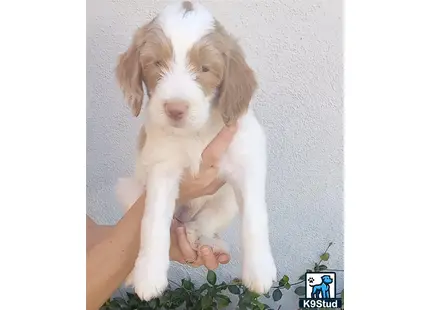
pixel 259 272
pixel 150 277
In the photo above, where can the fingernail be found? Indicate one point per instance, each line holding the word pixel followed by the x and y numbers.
pixel 223 259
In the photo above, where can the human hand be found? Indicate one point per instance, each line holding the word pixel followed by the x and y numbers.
pixel 206 182
pixel 182 252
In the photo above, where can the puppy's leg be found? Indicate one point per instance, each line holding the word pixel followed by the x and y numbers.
pixel 247 164
pixel 212 219
pixel 150 271
pixel 259 270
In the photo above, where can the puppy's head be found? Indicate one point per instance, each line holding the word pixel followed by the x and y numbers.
pixel 327 279
pixel 188 65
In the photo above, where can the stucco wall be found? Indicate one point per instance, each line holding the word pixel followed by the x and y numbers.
pixel 295 46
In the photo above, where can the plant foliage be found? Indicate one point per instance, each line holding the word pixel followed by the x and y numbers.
pixel 215 295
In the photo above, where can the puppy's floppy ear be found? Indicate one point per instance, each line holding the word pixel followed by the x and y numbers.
pixel 129 73
pixel 238 85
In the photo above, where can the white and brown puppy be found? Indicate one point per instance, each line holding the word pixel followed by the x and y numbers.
pixel 197 80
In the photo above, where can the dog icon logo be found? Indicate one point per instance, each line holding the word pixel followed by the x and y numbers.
pixel 320 288
pixel 320 285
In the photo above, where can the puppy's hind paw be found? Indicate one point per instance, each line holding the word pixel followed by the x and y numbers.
pixel 218 245
pixel 197 239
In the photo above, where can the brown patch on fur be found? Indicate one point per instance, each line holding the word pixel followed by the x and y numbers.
pixel 228 71
pixel 188 6
pixel 148 56
pixel 239 83
pixel 207 62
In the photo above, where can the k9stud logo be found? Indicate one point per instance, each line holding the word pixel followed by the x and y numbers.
pixel 320 291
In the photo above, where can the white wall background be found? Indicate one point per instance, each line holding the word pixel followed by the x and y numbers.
pixel 295 46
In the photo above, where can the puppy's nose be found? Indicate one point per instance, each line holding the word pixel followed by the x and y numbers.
pixel 176 109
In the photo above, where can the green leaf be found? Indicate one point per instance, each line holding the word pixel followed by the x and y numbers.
pixel 211 277
pixel 258 305
pixel 287 286
pixel 242 306
pixel 250 296
pixel 212 291
pixel 246 297
pixel 187 284
pixel 223 301
pixel 325 257
pixel 221 287
pixel 244 303
pixel 267 295
pixel 322 267
pixel 277 294
pixel 206 301
pixel 204 287
pixel 284 280
pixel 233 289
pixel 133 303
pixel 165 298
pixel 153 303
pixel 131 295
pixel 178 297
pixel 253 295
pixel 301 291
pixel 119 303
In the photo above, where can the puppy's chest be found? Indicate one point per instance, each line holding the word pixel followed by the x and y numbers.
pixel 177 152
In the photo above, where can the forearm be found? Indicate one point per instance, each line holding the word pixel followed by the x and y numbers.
pixel 112 259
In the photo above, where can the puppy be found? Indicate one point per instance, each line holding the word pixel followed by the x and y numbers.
pixel 197 80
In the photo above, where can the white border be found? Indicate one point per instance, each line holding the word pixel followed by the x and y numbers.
pixel 387 153
pixel 42 128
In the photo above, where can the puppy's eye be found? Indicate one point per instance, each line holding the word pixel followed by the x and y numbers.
pixel 205 69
